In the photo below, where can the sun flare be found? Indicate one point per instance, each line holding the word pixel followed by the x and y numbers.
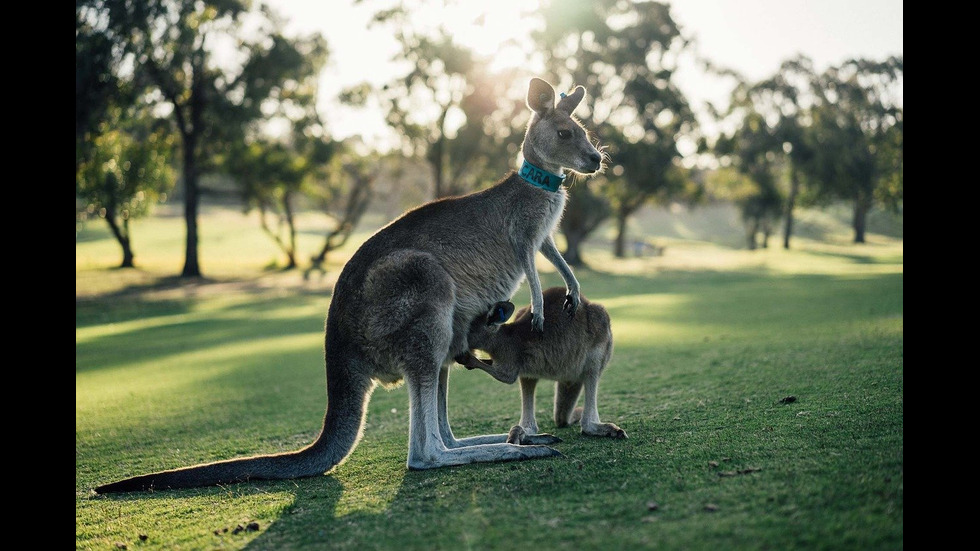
pixel 499 31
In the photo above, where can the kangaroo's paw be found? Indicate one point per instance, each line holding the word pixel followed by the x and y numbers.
pixel 571 304
pixel 537 322
pixel 576 416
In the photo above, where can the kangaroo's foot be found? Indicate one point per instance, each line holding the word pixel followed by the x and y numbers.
pixel 608 430
pixel 518 435
pixel 486 453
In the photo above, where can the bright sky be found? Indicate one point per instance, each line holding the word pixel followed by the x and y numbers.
pixel 752 37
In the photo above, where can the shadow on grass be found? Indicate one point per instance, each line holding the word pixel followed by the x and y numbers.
pixel 859 258
pixel 379 504
pixel 372 502
pixel 743 300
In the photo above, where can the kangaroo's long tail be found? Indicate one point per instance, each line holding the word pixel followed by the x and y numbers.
pixel 347 398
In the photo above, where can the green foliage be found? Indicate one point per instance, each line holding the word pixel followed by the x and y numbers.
pixel 839 132
pixel 857 129
pixel 856 136
pixel 625 54
pixel 164 50
pixel 267 172
pixel 125 171
pixel 756 150
pixel 446 109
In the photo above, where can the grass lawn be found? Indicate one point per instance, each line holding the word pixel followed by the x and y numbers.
pixel 762 392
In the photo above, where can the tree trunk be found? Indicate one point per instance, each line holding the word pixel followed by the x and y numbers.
pixel 861 207
pixel 191 193
pixel 291 227
pixel 619 248
pixel 191 133
pixel 357 202
pixel 437 157
pixel 751 228
pixel 794 190
pixel 573 249
pixel 121 235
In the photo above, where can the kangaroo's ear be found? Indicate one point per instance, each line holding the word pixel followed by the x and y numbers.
pixel 540 96
pixel 500 313
pixel 569 102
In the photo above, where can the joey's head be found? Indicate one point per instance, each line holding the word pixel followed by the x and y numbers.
pixel 483 334
pixel 556 140
pixel 485 327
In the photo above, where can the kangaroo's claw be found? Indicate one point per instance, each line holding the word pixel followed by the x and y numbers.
pixel 571 305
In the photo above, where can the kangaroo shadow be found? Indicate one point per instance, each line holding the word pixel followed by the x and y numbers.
pixel 386 506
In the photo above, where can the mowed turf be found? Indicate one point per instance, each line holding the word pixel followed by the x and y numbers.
pixel 762 392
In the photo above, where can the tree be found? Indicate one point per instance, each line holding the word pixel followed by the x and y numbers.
pixel 787 98
pixel 121 156
pixel 754 148
pixel 590 210
pixel 271 175
pixel 96 88
pixel 166 50
pixel 625 53
pixel 857 136
pixel 125 171
pixel 444 107
pixel 344 191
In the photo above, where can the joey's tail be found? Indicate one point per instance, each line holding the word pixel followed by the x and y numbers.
pixel 347 398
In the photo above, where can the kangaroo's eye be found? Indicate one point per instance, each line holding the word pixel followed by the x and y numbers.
pixel 564 134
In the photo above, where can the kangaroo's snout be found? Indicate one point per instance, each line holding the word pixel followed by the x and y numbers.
pixel 596 159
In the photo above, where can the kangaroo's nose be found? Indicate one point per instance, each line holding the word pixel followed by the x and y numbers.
pixel 595 158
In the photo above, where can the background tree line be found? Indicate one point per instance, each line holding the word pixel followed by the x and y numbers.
pixel 156 106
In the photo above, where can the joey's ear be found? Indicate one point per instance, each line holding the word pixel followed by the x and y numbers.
pixel 500 313
pixel 569 102
pixel 540 96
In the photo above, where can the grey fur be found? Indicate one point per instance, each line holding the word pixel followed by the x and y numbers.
pixel 573 352
pixel 402 307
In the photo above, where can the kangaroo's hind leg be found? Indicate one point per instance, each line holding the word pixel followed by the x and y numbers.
pixel 414 330
pixel 427 447
pixel 520 436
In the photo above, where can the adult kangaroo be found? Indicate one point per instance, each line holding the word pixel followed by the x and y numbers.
pixel 403 304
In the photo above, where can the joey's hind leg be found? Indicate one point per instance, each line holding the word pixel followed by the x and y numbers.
pixel 566 395
pixel 431 441
pixel 528 433
pixel 428 450
pixel 590 413
pixel 517 435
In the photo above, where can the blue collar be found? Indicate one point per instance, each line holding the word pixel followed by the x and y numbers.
pixel 541 178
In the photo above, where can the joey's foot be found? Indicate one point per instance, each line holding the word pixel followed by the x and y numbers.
pixel 607 430
pixel 576 416
pixel 518 435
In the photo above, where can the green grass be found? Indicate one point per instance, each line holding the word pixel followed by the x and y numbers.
pixel 709 340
